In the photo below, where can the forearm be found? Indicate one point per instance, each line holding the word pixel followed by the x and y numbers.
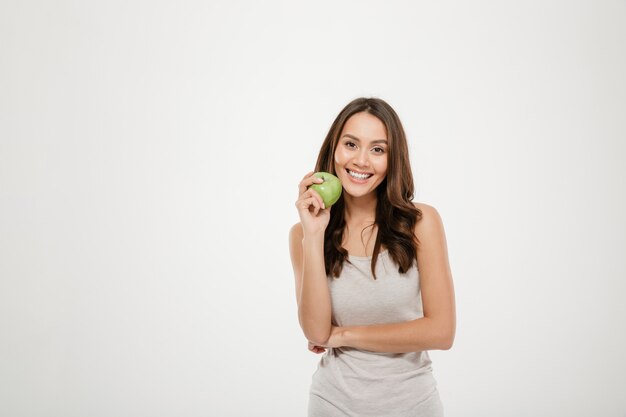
pixel 411 336
pixel 315 306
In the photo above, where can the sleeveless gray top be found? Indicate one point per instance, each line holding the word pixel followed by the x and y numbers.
pixel 354 382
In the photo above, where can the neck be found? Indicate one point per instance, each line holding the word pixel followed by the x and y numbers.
pixel 360 210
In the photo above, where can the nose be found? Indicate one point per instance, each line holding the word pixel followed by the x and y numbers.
pixel 362 158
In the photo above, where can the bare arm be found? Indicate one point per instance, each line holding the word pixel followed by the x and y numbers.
pixel 410 336
pixel 312 293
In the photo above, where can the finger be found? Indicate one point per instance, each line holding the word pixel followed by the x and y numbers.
pixel 315 203
pixel 307 203
pixel 308 195
pixel 307 182
pixel 316 206
pixel 302 182
pixel 304 202
pixel 318 198
pixel 316 348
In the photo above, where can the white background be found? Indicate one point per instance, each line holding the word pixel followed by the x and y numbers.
pixel 149 159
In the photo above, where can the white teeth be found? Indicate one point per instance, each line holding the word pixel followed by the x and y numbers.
pixel 359 176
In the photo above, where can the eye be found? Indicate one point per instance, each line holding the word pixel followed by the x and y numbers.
pixel 380 150
pixel 350 143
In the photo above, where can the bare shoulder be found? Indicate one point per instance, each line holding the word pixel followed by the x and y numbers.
pixel 430 222
pixel 296 233
pixel 423 206
pixel 428 212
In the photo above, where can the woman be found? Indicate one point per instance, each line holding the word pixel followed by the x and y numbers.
pixel 373 282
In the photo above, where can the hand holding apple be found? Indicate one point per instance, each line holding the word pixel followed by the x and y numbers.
pixel 329 190
pixel 314 215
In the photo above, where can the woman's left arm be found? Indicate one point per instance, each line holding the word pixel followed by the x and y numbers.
pixel 434 331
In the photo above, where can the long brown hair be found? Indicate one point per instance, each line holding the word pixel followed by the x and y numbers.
pixel 396 215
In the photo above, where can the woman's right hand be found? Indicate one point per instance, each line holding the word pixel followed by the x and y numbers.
pixel 316 349
pixel 313 216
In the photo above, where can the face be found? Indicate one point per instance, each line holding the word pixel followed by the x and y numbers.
pixel 361 154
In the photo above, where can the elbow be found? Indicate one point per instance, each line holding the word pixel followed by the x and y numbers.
pixel 446 339
pixel 317 340
pixel 442 334
pixel 446 343
pixel 315 334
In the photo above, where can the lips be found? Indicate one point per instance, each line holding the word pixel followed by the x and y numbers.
pixel 359 172
pixel 357 176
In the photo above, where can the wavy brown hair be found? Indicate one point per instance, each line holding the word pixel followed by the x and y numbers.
pixel 396 215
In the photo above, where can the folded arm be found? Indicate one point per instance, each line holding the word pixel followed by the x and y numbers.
pixel 434 331
pixel 411 336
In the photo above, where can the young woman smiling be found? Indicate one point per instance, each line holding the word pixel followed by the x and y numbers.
pixel 373 282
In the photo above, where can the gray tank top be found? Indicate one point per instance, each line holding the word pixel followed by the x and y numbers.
pixel 353 382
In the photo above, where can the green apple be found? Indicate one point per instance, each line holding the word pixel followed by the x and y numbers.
pixel 329 190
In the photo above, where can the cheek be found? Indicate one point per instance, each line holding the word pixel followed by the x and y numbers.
pixel 338 163
pixel 382 165
pixel 340 157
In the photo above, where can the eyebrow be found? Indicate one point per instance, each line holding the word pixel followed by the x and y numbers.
pixel 359 140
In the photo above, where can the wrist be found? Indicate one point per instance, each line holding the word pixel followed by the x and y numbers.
pixel 344 336
pixel 313 236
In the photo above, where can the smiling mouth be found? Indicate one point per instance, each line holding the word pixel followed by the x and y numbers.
pixel 357 175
